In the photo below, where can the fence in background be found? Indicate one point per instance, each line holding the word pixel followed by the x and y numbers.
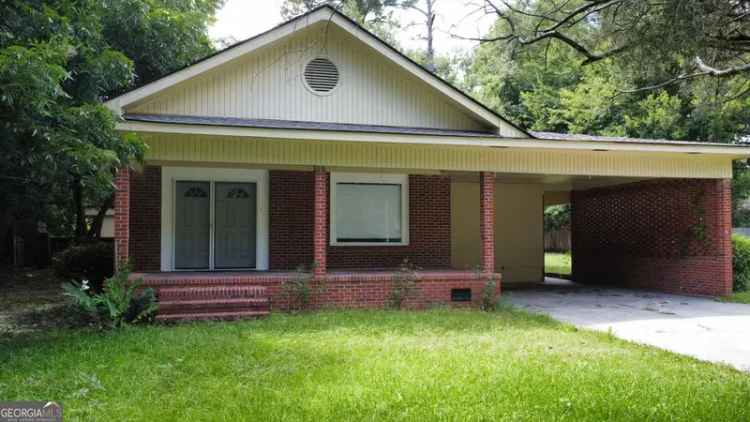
pixel 557 240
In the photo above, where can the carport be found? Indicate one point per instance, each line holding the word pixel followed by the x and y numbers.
pixel 649 214
pixel 671 234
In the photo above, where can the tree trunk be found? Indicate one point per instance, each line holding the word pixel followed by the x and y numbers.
pixel 78 208
pixel 430 22
pixel 95 232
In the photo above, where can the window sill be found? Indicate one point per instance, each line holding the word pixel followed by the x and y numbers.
pixel 368 244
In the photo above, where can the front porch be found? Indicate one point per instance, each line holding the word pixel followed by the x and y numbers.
pixel 354 212
pixel 240 294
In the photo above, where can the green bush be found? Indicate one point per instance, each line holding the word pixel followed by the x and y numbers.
pixel 299 290
pixel 404 284
pixel 119 302
pixel 741 262
pixel 87 261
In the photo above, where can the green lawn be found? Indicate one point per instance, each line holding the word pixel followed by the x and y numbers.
pixel 367 365
pixel 557 263
pixel 740 297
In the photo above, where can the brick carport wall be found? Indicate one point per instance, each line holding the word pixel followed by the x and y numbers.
pixel 668 235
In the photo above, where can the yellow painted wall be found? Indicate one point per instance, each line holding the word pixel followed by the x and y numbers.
pixel 465 249
pixel 519 248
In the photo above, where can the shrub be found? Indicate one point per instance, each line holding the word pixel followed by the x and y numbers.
pixel 119 303
pixel 741 262
pixel 87 261
pixel 404 284
pixel 299 289
pixel 489 298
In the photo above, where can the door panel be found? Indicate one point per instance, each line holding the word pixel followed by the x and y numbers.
pixel 192 225
pixel 235 225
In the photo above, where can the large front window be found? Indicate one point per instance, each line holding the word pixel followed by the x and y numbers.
pixel 369 209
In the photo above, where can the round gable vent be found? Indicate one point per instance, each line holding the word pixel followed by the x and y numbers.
pixel 321 75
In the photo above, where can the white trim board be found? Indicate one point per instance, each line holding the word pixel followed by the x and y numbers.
pixel 169 175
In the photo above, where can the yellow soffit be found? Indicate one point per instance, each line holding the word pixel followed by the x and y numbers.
pixel 524 159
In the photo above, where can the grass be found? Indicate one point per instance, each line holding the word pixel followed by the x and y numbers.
pixel 557 263
pixel 739 297
pixel 366 365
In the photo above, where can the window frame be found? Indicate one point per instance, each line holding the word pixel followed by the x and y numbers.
pixel 369 178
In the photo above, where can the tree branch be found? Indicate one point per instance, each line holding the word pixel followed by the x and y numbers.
pixel 703 70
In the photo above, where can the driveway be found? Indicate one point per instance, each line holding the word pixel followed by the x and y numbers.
pixel 698 327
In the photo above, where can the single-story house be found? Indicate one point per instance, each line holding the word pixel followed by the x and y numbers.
pixel 318 143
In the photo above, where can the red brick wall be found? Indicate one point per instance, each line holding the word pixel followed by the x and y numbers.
pixel 672 235
pixel 145 219
pixel 291 227
pixel 341 290
pixel 290 240
pixel 122 217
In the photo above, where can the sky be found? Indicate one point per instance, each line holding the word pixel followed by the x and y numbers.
pixel 241 19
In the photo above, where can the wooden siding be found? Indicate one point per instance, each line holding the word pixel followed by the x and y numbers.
pixel 268 84
pixel 252 151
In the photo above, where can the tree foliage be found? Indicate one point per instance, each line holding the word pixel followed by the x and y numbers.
pixel 375 15
pixel 58 61
pixel 663 42
pixel 539 81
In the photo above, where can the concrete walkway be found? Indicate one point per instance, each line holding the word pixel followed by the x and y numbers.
pixel 698 327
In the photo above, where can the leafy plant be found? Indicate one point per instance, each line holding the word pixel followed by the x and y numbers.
pixel 741 262
pixel 299 289
pixel 119 303
pixel 489 294
pixel 404 284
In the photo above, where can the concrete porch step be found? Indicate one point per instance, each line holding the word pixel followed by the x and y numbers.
pixel 173 294
pixel 211 316
pixel 213 305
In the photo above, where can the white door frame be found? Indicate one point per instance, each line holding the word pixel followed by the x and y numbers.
pixel 169 177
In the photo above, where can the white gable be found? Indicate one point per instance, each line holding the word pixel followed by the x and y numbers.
pixel 267 83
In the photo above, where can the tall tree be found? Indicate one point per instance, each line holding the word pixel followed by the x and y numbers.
pixel 427 8
pixel 58 61
pixel 375 15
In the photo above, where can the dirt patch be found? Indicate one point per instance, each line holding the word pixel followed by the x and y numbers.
pixel 30 300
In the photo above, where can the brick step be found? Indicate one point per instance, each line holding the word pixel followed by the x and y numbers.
pixel 170 294
pixel 213 305
pixel 211 280
pixel 211 316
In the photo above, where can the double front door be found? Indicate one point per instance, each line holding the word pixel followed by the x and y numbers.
pixel 215 225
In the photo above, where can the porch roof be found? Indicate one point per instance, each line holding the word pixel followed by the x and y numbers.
pixel 268 129
pixel 741 148
pixel 299 125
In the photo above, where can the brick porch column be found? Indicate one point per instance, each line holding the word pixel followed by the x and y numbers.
pixel 487 220
pixel 122 217
pixel 320 228
pixel 719 217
